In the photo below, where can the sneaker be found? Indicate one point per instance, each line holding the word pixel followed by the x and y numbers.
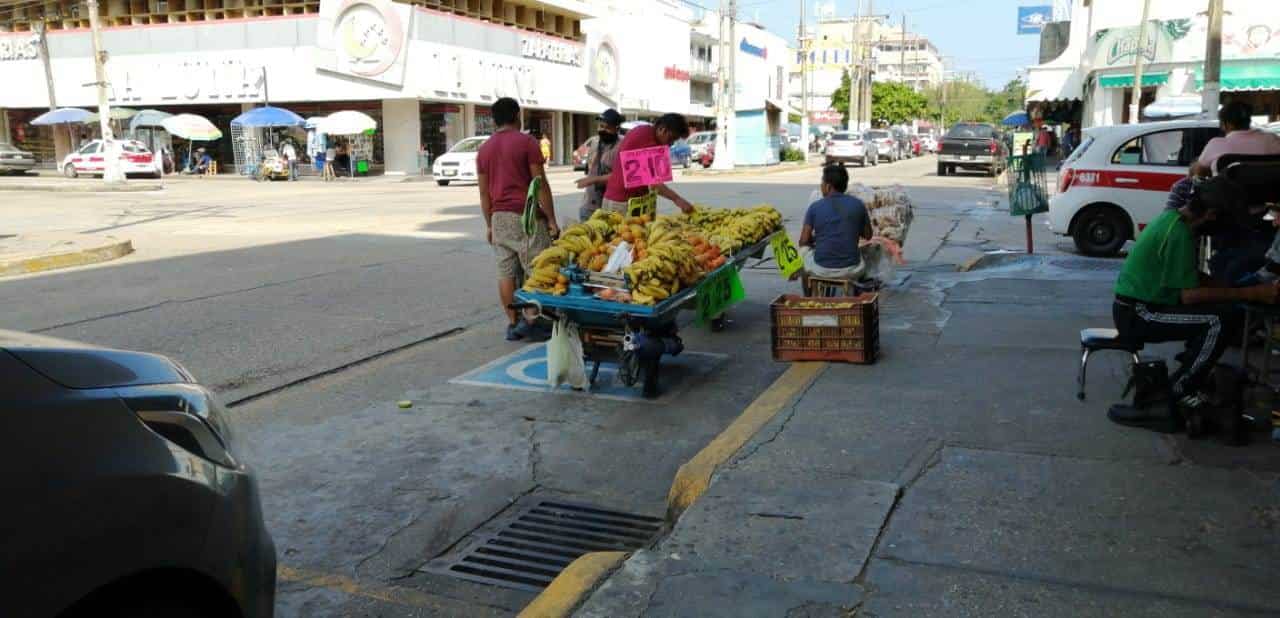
pixel 513 332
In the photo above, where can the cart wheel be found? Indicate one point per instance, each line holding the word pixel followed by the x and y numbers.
pixel 628 368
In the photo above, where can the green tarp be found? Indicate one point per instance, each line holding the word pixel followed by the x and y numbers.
pixel 1262 75
pixel 1126 81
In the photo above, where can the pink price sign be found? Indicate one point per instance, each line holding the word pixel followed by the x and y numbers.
pixel 645 167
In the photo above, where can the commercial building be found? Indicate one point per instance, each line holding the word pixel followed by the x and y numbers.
pixel 856 45
pixel 1091 81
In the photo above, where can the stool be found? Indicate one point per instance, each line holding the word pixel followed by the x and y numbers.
pixel 827 288
pixel 212 170
pixel 1098 339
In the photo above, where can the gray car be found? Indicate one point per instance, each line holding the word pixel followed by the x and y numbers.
pixel 14 160
pixel 123 493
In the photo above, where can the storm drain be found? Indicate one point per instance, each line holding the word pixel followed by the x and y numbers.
pixel 541 539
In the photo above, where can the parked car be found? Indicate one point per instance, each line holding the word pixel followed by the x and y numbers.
pixel 125 494
pixel 1118 179
pixel 886 146
pixel 971 145
pixel 459 163
pixel 681 154
pixel 14 160
pixel 698 143
pixel 847 147
pixel 582 152
pixel 135 160
pixel 930 143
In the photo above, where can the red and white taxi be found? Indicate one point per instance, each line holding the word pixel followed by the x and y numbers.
pixel 1118 180
pixel 135 159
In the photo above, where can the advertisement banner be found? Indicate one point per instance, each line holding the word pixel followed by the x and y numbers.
pixel 367 39
pixel 1119 46
pixel 1031 19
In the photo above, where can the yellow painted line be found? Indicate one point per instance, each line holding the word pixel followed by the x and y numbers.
pixel 40 263
pixel 575 582
pixel 406 597
pixel 694 476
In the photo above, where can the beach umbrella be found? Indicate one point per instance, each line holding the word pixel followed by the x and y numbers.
pixel 117 113
pixel 1016 119
pixel 62 115
pixel 347 123
pixel 148 118
pixel 191 127
pixel 268 116
pixel 314 123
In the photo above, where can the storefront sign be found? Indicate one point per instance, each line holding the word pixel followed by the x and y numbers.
pixel 1119 46
pixel 539 48
pixel 19 48
pixel 646 167
pixel 1031 19
pixel 675 74
pixel 748 48
pixel 363 38
pixel 184 81
pixel 603 71
pixel 826 117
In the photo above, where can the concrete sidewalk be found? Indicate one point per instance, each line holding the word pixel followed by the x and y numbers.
pixel 959 476
pixel 23 254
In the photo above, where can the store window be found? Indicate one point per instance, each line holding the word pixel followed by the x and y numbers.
pixel 484 122
pixel 441 127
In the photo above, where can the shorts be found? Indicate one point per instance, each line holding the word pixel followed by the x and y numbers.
pixel 513 249
pixel 813 269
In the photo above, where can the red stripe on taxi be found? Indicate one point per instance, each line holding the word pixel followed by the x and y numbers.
pixel 1118 179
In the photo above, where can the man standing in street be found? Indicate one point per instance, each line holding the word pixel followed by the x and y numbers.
pixel 642 200
pixel 290 155
pixel 507 164
pixel 600 163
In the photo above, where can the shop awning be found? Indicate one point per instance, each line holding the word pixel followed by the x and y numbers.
pixel 1054 83
pixel 1262 75
pixel 1126 81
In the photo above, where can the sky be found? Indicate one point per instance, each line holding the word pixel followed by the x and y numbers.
pixel 974 35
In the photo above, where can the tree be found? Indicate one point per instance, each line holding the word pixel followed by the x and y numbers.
pixel 895 103
pixel 1009 99
pixel 840 98
pixel 964 101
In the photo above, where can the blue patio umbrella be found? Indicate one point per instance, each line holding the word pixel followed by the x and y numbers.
pixel 62 115
pixel 148 118
pixel 268 116
pixel 1016 119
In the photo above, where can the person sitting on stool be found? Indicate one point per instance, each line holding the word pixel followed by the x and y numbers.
pixel 832 227
pixel 1161 297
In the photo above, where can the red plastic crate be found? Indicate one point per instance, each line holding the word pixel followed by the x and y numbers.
pixel 848 334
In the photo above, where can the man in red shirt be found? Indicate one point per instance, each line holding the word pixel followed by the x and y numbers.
pixel 617 197
pixel 506 165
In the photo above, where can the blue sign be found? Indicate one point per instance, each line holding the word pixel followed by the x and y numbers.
pixel 526 370
pixel 748 48
pixel 1031 19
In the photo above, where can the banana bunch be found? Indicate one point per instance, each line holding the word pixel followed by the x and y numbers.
pixel 668 266
pixel 546 277
pixel 731 230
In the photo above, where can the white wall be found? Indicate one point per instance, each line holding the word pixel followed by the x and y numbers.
pixel 402 130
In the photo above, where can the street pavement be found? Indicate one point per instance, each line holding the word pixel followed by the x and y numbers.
pixel 315 308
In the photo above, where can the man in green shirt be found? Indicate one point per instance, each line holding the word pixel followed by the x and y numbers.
pixel 1161 297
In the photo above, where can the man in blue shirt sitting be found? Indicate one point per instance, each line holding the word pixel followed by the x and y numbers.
pixel 832 227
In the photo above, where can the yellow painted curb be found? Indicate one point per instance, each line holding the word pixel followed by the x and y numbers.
pixel 40 263
pixel 571 587
pixel 694 476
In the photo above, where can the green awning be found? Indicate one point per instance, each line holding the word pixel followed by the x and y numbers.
pixel 1260 75
pixel 1126 81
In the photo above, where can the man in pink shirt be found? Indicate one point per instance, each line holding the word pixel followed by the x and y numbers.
pixel 506 165
pixel 664 132
pixel 1235 118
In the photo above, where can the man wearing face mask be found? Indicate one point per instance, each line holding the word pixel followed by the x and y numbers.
pixel 600 163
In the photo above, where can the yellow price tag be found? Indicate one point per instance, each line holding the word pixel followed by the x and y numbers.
pixel 646 204
pixel 786 254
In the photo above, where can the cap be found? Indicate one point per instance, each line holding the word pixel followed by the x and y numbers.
pixel 610 117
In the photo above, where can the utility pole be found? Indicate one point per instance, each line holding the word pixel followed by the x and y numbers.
pixel 1135 103
pixel 868 73
pixel 724 157
pixel 1210 94
pixel 902 51
pixel 110 149
pixel 804 85
pixel 44 59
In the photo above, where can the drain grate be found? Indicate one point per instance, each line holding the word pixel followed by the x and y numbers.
pixel 541 539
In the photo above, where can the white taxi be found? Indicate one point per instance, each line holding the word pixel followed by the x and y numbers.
pixel 1118 179
pixel 135 159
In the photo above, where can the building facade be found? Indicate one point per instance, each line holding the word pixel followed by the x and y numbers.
pixel 1091 82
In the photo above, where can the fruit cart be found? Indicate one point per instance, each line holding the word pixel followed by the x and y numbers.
pixel 635 336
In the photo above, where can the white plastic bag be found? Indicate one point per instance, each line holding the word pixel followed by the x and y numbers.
pixel 565 364
pixel 619 259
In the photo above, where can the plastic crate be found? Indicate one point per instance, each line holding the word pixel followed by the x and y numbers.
pixel 842 334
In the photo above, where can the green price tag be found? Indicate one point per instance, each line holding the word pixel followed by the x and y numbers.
pixel 786 254
pixel 718 293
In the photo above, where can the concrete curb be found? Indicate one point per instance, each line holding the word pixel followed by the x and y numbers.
pixel 132 187
pixel 694 476
pixel 53 261
pixel 574 584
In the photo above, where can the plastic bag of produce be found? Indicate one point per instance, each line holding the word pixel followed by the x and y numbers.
pixel 565 364
pixel 619 259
